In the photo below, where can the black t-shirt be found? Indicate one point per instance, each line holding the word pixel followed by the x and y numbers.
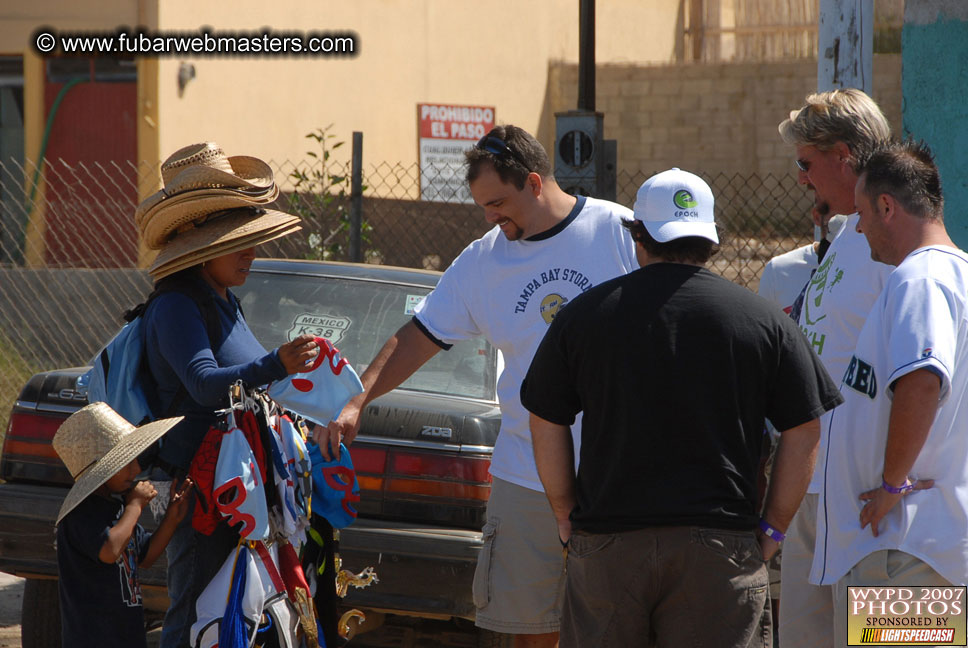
pixel 100 603
pixel 675 369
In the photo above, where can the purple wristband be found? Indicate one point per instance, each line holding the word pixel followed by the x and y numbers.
pixel 771 532
pixel 906 487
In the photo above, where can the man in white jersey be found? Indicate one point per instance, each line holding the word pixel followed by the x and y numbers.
pixel 830 132
pixel 546 248
pixel 894 509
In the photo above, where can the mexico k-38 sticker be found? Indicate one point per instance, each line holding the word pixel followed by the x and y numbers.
pixel 412 302
pixel 331 327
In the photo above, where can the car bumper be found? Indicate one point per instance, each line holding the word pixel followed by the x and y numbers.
pixel 422 570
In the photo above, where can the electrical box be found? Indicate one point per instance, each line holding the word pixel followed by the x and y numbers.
pixel 584 161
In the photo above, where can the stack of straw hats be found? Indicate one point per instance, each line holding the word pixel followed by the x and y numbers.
pixel 210 205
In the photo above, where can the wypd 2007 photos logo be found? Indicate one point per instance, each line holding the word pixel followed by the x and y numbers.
pixel 906 616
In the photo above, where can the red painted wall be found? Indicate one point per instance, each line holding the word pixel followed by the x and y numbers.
pixel 91 176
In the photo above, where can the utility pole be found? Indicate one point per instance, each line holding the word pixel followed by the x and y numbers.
pixel 585 162
pixel 845 49
pixel 586 55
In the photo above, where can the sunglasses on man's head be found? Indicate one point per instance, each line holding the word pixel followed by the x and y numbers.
pixel 500 148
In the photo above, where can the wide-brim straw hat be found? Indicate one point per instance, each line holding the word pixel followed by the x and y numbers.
pixel 220 234
pixel 95 443
pixel 198 180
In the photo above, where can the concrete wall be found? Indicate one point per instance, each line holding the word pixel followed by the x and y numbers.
pixel 419 51
pixel 935 48
pixel 713 118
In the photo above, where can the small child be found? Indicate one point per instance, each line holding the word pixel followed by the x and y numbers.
pixel 100 544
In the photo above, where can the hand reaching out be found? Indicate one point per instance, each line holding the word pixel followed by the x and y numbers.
pixel 297 355
pixel 179 499
pixel 342 429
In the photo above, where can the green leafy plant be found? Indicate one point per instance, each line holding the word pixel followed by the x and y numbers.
pixel 322 198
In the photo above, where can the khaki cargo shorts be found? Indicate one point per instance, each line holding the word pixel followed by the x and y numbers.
pixel 519 582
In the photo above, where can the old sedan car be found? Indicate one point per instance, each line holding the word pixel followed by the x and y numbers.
pixel 422 455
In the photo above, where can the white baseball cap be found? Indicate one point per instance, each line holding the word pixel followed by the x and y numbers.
pixel 674 204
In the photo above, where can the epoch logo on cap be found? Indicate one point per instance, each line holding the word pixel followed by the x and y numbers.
pixel 684 200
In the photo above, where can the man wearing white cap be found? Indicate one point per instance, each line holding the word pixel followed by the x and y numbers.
pixel 675 370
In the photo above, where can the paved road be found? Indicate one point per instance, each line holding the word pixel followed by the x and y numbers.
pixel 428 633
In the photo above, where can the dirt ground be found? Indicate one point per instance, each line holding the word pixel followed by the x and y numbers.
pixel 434 634
pixel 11 600
pixel 11 596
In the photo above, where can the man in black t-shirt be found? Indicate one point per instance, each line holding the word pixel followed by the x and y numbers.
pixel 675 370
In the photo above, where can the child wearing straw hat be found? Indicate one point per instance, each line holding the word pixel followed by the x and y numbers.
pixel 100 544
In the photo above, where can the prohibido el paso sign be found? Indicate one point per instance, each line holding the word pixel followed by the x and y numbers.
pixel 331 327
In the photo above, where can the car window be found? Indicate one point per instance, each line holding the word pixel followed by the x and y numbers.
pixel 358 316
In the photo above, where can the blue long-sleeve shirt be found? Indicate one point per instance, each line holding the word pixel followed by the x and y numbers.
pixel 179 352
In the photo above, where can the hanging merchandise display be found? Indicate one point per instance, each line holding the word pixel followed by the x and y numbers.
pixel 244 599
pixel 239 490
pixel 256 471
pixel 335 489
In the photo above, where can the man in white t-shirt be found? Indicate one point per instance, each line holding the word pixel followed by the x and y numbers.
pixel 547 247
pixel 830 133
pixel 894 509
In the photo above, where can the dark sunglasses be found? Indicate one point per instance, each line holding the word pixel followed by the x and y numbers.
pixel 500 148
pixel 803 165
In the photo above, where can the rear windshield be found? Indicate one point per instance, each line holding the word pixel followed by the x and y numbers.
pixel 358 316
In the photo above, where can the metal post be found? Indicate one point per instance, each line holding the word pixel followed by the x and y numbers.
pixel 356 200
pixel 697 28
pixel 586 55
pixel 845 46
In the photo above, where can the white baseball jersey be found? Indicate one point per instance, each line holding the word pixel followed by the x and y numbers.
pixel 509 291
pixel 838 298
pixel 920 321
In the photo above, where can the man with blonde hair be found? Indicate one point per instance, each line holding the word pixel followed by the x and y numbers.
pixel 831 132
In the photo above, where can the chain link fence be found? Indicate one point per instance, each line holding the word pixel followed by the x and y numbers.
pixel 69 254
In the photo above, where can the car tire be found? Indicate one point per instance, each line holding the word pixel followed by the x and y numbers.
pixel 40 625
pixel 489 639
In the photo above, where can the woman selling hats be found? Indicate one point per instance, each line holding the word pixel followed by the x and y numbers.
pixel 206 222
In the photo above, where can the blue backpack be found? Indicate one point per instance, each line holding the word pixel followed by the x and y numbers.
pixel 119 374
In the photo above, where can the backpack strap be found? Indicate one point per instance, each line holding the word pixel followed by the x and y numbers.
pixel 205 302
